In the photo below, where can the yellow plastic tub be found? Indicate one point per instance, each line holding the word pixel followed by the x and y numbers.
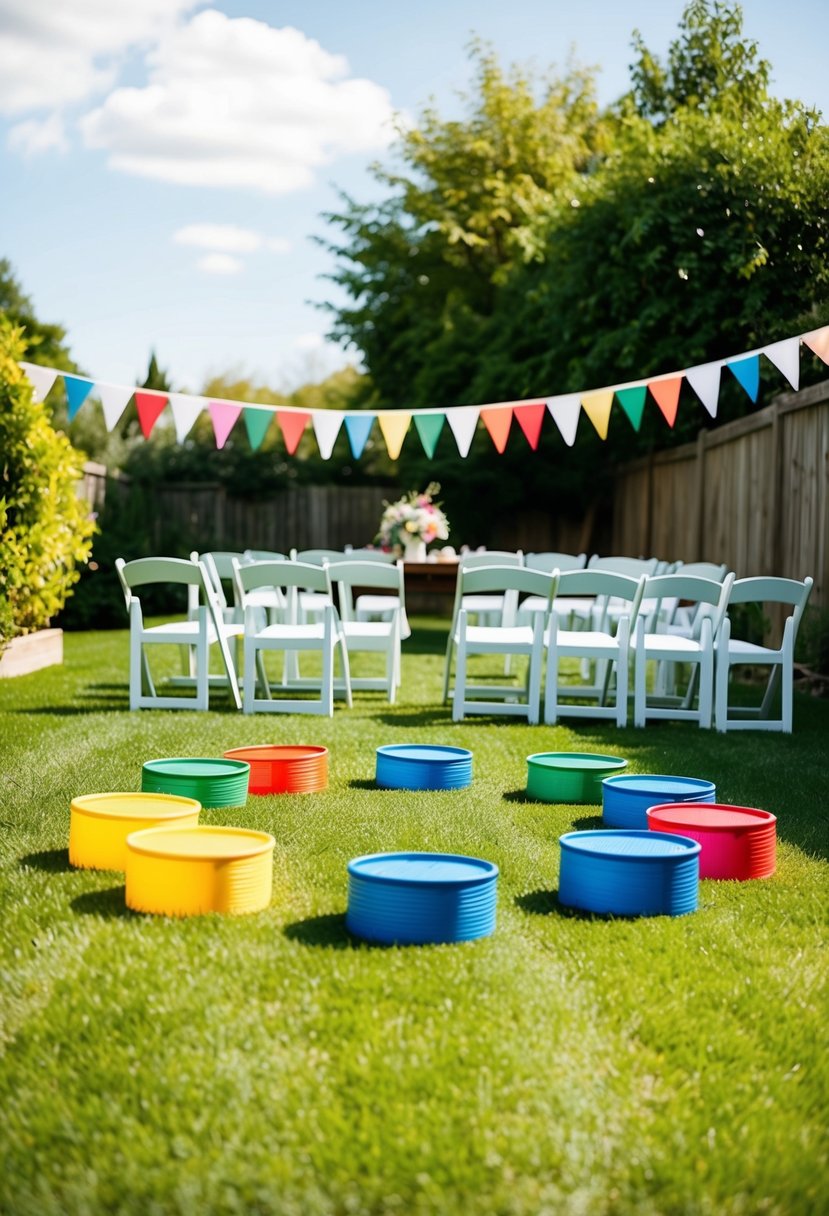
pixel 190 871
pixel 99 824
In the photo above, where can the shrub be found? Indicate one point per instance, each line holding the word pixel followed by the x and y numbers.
pixel 46 529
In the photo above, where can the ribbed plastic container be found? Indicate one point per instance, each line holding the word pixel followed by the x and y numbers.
pixel 284 770
pixel 213 782
pixel 625 799
pixel 192 871
pixel 570 776
pixel 422 766
pixel 737 841
pixel 628 873
pixel 421 898
pixel 99 824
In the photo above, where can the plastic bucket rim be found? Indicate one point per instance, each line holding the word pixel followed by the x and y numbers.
pixel 190 804
pixel 615 782
pixel 238 769
pixel 314 753
pixel 460 754
pixel 492 870
pixel 755 812
pixel 267 842
pixel 611 761
pixel 691 846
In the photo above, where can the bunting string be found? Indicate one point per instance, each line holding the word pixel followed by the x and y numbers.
pixel 394 425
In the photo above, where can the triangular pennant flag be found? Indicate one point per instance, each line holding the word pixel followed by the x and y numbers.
pixel 785 356
pixel 292 423
pixel 462 421
pixel 666 395
pixel 149 406
pixel 114 398
pixel 77 391
pixel 632 401
pixel 223 415
pixel 819 343
pixel 530 418
pixel 358 427
pixel 185 410
pixel 326 424
pixel 393 425
pixel 256 425
pixel 705 381
pixel 429 427
pixel 565 412
pixel 597 407
pixel 747 372
pixel 498 422
pixel 41 378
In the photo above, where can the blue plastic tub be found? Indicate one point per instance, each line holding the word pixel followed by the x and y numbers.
pixel 421 898
pixel 627 799
pixel 422 766
pixel 626 873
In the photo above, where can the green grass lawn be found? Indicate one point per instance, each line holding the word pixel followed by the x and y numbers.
pixel 270 1064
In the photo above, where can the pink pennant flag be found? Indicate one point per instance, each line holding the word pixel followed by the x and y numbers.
pixel 498 422
pixel 149 407
pixel 530 418
pixel 293 424
pixel 565 411
pixel 597 407
pixel 818 341
pixel 41 378
pixel 223 415
pixel 666 395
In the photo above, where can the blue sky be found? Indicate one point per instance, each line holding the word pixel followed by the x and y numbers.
pixel 163 165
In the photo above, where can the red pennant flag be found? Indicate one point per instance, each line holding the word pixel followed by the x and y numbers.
pixel 292 424
pixel 149 407
pixel 666 395
pixel 498 422
pixel 529 418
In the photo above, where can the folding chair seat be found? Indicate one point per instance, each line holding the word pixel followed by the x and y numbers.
pixel 508 640
pixel 603 650
pixel 734 651
pixel 291 637
pixel 195 635
pixel 697 652
pixel 381 636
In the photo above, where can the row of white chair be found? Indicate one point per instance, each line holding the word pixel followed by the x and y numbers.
pixel 634 634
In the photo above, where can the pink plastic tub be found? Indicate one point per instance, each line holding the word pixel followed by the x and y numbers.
pixel 737 841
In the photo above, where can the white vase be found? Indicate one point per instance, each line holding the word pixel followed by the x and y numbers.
pixel 414 550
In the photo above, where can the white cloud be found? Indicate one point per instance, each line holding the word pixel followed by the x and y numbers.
pixel 220 263
pixel 238 103
pixel 309 341
pixel 228 238
pixel 55 52
pixel 39 135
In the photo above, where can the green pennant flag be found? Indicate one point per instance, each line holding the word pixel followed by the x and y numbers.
pixel 256 425
pixel 632 401
pixel 429 427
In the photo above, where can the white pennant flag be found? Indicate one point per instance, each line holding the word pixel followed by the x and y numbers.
pixel 785 356
pixel 114 398
pixel 462 421
pixel 705 381
pixel 326 424
pixel 41 378
pixel 186 410
pixel 565 412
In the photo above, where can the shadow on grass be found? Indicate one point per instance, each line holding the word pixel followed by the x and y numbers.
pixel 108 904
pixel 588 823
pixel 329 932
pixel 51 861
pixel 360 783
pixel 427 716
pixel 546 902
pixel 518 796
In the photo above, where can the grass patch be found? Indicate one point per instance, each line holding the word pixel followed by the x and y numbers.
pixel 271 1064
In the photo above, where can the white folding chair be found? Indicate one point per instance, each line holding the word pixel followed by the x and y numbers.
pixel 524 640
pixel 491 609
pixel 219 566
pixel 698 651
pixel 322 637
pixel 196 635
pixel 378 636
pixel 604 648
pixel 313 603
pixel 734 651
pixel 548 562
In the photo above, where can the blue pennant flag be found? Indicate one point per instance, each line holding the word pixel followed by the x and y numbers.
pixel 358 428
pixel 77 392
pixel 747 372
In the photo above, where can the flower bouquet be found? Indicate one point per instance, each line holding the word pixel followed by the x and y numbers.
pixel 408 525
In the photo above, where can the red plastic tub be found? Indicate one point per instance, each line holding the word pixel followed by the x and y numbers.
pixel 737 841
pixel 292 769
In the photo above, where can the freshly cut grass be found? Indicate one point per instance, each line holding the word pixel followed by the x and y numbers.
pixel 271 1064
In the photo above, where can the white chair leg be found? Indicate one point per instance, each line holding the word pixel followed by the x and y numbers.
pixel 534 683
pixel 706 675
pixel 551 686
pixel 460 670
pixel 639 665
pixel 622 638
pixel 722 668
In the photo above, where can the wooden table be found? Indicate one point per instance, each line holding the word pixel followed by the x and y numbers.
pixel 430 586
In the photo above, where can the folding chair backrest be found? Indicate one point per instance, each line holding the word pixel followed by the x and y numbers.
pixel 506 578
pixel 316 557
pixel 265 555
pixel 144 570
pixel 604 585
pixel 548 562
pixel 283 575
pixel 381 556
pixel 632 566
pixel 713 570
pixel 767 590
pixel 493 557
pixel 695 590
pixel 375 575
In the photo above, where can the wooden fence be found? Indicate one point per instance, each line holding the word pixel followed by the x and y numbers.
pixel 753 493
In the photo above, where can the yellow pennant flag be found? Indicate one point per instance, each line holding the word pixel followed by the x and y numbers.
pixel 394 424
pixel 597 407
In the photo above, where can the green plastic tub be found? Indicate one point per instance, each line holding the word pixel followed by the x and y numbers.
pixel 570 776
